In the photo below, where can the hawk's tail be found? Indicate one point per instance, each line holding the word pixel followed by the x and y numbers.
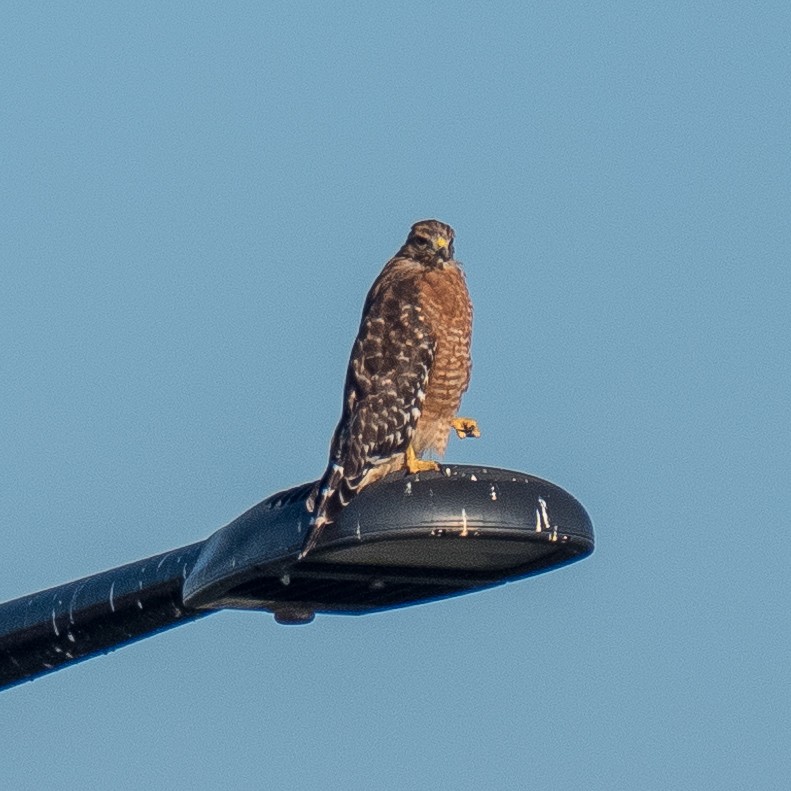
pixel 324 503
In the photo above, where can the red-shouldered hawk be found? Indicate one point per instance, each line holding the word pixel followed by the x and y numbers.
pixel 409 367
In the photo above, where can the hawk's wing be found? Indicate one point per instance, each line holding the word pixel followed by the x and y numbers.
pixel 385 386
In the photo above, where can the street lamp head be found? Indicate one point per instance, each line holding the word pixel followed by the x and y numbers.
pixel 405 540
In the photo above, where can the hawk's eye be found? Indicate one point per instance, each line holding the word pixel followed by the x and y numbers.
pixel 421 241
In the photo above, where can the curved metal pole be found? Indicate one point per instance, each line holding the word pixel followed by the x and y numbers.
pixel 44 631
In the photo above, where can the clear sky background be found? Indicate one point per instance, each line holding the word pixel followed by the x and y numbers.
pixel 194 200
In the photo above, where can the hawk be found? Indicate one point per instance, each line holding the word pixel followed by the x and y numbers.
pixel 409 366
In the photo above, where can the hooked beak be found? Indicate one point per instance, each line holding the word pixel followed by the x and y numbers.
pixel 442 247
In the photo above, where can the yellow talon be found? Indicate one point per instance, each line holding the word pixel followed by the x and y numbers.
pixel 414 464
pixel 465 427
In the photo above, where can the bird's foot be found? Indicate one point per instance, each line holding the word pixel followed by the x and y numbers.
pixel 419 465
pixel 414 464
pixel 465 427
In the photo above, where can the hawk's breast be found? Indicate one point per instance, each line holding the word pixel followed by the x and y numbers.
pixel 445 302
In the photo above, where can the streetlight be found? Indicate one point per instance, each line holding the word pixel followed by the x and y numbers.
pixel 401 541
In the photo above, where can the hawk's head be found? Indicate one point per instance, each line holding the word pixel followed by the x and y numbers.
pixel 430 242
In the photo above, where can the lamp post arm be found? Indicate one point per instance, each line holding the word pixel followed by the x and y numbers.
pixel 44 631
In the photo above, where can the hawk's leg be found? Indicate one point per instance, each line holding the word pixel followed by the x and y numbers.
pixel 414 464
pixel 465 427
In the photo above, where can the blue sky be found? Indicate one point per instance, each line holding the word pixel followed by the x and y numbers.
pixel 194 201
